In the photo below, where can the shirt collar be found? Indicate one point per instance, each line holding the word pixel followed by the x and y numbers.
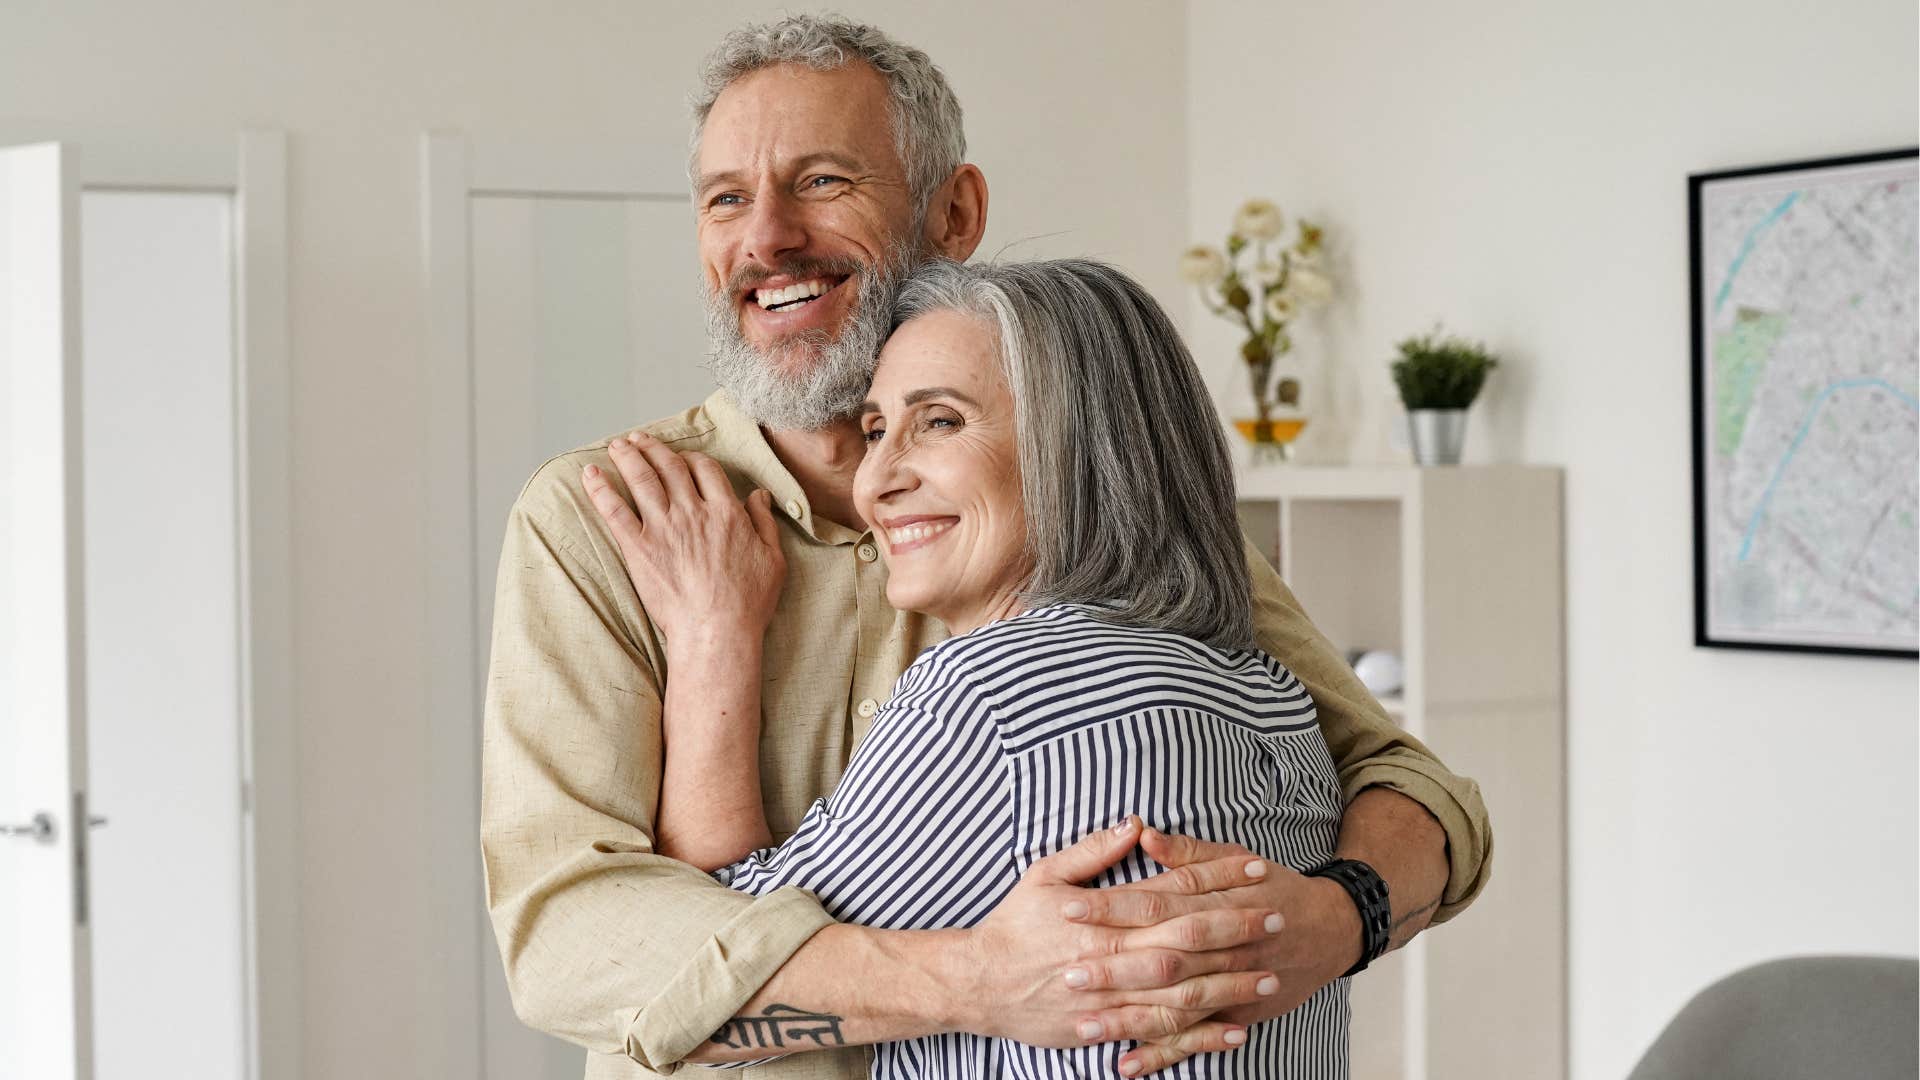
pixel 744 446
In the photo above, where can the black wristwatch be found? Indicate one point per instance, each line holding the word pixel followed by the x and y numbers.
pixel 1370 896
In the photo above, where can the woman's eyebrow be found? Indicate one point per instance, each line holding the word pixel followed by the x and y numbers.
pixel 921 395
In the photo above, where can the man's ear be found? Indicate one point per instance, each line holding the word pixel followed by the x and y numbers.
pixel 957 214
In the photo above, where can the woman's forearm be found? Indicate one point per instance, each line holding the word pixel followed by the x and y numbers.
pixel 711 812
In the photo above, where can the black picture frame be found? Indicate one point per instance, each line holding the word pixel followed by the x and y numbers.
pixel 1696 183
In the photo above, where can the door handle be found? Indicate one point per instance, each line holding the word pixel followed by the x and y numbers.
pixel 40 828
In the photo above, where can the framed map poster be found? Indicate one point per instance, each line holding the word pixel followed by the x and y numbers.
pixel 1806 406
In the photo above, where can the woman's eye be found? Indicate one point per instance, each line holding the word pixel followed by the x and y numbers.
pixel 942 421
pixel 873 435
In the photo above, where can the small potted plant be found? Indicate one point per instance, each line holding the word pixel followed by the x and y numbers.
pixel 1260 281
pixel 1439 376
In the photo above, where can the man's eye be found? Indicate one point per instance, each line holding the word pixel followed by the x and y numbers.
pixel 825 181
pixel 729 199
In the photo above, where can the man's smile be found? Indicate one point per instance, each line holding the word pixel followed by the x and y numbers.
pixel 795 296
pixel 786 304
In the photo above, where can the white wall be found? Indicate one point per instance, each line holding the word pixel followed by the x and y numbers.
pixel 1087 160
pixel 1520 170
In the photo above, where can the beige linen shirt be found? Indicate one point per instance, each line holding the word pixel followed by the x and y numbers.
pixel 640 958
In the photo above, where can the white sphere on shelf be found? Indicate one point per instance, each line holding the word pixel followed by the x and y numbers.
pixel 1381 672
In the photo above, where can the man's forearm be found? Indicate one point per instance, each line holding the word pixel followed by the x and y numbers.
pixel 907 986
pixel 1403 843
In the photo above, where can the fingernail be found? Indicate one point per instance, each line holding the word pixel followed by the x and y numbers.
pixel 1256 869
pixel 1075 909
pixel 593 470
pixel 1266 986
pixel 1274 923
pixel 1126 824
pixel 1234 1037
pixel 617 440
pixel 1076 977
pixel 1089 1029
pixel 1129 1068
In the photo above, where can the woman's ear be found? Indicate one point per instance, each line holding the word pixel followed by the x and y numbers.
pixel 957 214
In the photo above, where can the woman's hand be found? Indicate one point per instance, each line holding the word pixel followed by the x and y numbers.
pixel 1315 947
pixel 707 566
pixel 708 569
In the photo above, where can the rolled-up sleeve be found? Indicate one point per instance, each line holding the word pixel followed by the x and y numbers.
pixel 604 943
pixel 1369 749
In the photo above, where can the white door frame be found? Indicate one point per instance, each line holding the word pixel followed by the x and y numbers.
pixel 453 170
pixel 253 170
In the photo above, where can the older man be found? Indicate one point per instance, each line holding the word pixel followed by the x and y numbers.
pixel 829 159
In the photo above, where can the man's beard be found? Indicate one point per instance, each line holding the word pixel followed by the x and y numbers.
pixel 808 380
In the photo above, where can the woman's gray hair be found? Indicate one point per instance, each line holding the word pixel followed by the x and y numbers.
pixel 1124 467
pixel 927 130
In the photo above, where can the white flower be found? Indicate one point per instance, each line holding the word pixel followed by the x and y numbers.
pixel 1279 308
pixel 1203 265
pixel 1309 287
pixel 1258 219
pixel 1267 272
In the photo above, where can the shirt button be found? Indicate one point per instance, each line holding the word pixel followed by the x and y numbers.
pixel 867 552
pixel 867 708
pixel 793 509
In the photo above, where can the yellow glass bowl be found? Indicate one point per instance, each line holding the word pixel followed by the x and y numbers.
pixel 1280 431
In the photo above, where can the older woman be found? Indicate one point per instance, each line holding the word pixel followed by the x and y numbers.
pixel 1048 479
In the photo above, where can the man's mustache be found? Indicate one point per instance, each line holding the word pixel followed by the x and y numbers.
pixel 751 277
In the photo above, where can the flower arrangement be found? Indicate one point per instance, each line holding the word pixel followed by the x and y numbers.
pixel 1261 284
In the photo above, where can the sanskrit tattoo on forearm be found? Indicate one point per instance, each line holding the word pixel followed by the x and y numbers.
pixel 779 1027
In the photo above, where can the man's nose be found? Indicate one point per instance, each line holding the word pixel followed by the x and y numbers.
pixel 774 229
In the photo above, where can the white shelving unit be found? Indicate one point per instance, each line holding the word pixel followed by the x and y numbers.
pixel 1459 570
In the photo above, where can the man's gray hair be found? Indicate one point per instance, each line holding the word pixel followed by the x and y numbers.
pixel 1123 465
pixel 927 130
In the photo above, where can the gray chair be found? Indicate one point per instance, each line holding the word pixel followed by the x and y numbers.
pixel 1804 1018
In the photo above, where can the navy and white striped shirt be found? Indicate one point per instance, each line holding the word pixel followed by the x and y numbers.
pixel 1007 744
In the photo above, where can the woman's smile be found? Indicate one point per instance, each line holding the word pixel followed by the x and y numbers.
pixel 913 532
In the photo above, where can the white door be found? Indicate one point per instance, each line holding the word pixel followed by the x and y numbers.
pixel 164 760
pixel 44 994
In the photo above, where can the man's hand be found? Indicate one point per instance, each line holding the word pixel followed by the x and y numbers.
pixel 1047 973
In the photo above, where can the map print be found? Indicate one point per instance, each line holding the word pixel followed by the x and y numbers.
pixel 1811 401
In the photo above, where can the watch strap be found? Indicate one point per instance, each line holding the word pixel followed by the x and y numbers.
pixel 1369 895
